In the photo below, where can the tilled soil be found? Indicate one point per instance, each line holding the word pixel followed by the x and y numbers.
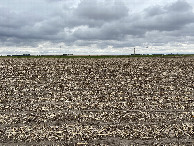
pixel 128 101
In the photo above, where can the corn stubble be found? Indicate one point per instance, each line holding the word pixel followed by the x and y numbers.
pixel 113 101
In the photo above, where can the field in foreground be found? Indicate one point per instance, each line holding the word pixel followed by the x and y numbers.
pixel 112 101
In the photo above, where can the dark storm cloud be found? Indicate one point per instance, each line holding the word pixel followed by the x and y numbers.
pixel 95 22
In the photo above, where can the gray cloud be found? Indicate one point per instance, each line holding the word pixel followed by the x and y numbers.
pixel 101 10
pixel 179 6
pixel 154 11
pixel 154 18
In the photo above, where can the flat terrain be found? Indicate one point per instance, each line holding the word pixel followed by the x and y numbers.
pixel 88 101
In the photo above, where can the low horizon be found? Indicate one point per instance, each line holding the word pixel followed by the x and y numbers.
pixel 97 54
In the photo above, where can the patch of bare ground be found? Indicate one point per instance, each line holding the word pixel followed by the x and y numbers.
pixel 113 101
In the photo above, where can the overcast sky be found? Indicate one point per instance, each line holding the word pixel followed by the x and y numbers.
pixel 96 26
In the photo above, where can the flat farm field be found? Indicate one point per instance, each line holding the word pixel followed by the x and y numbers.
pixel 88 101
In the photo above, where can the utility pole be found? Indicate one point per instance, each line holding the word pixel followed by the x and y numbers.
pixel 60 50
pixel 134 51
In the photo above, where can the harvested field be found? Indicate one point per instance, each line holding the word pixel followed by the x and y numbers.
pixel 112 101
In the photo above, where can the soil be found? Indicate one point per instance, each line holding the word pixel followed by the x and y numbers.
pixel 110 101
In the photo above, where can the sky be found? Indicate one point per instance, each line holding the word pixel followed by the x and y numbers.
pixel 96 27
